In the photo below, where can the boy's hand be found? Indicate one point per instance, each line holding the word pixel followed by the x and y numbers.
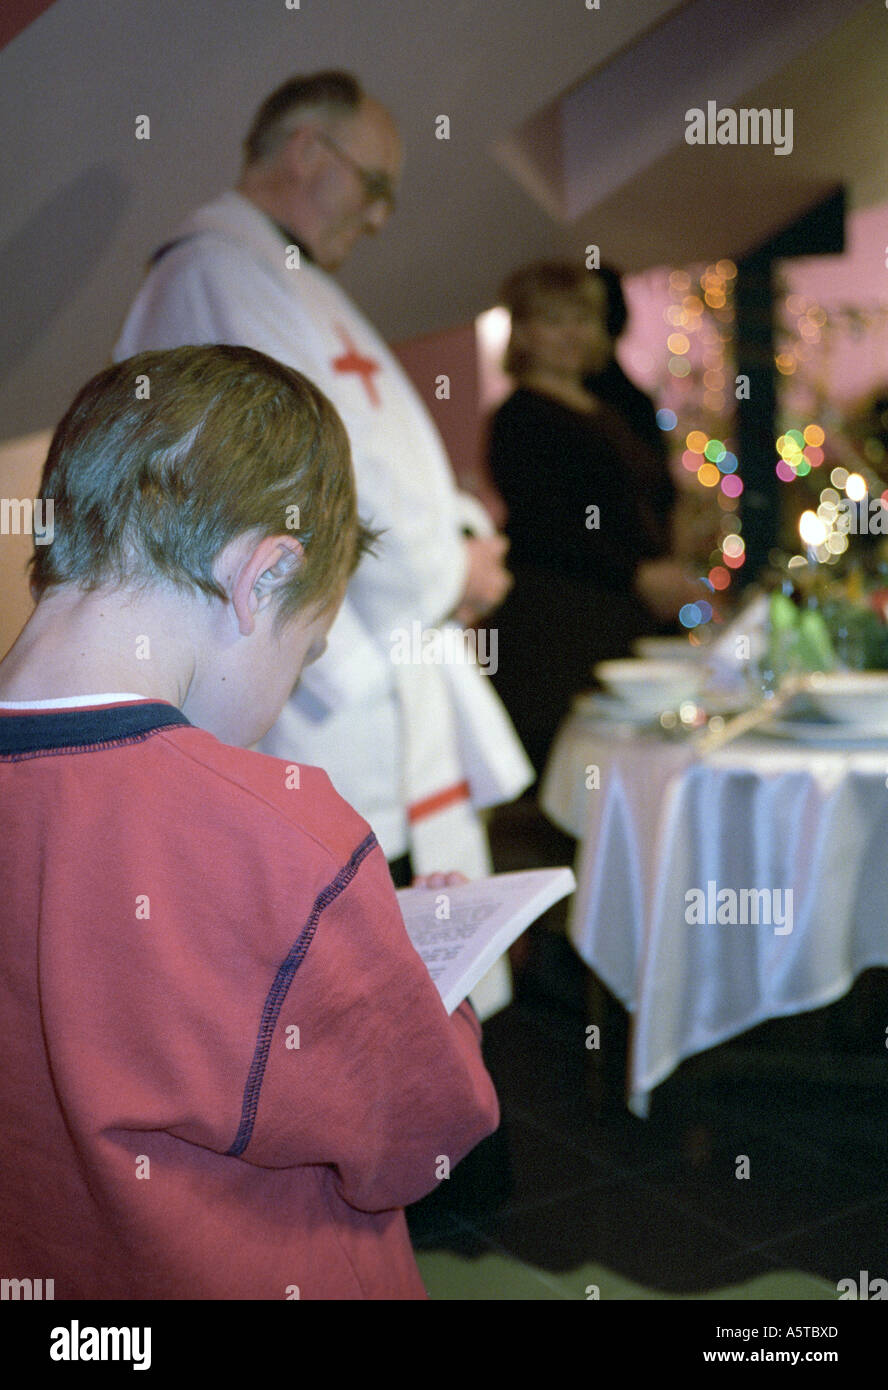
pixel 439 880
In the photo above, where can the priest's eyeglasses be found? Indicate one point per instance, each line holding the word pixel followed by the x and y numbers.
pixel 378 187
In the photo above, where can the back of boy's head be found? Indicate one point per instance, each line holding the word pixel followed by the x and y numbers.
pixel 166 457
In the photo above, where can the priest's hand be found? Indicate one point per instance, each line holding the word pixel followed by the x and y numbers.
pixel 487 581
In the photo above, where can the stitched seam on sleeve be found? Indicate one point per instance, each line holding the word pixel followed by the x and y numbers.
pixel 278 992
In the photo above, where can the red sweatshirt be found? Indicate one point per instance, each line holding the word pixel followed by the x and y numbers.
pixel 225 1069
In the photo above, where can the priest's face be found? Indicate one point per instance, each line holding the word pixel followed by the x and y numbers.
pixel 350 189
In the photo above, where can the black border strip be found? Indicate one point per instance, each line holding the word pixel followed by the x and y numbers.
pixel 27 732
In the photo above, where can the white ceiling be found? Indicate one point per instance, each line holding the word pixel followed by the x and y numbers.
pixel 85 202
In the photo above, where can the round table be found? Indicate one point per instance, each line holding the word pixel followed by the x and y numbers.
pixel 716 892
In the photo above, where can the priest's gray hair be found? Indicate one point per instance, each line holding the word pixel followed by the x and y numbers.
pixel 327 96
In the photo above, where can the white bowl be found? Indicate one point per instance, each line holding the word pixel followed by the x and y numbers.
pixel 855 698
pixel 651 686
pixel 665 649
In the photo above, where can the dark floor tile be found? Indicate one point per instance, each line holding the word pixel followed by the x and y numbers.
pixel 853 1241
pixel 475 1190
pixel 786 1191
pixel 833 1108
pixel 848 1129
pixel 452 1234
pixel 753 1276
pixel 621 1226
pixel 615 1139
pixel 537 1060
pixel 657 1201
pixel 545 1167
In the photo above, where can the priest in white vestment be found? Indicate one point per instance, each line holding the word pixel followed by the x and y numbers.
pixel 417 748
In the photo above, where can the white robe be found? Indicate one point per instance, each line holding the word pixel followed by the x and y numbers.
pixel 390 736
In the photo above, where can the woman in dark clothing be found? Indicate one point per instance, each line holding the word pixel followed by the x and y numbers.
pixel 589 552
pixel 610 384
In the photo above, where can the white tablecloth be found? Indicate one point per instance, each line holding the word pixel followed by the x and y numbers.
pixel 760 814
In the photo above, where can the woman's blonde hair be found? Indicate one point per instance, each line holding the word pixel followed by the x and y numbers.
pixel 535 287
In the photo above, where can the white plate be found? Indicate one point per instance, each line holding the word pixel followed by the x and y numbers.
pixel 609 708
pixel 650 686
pixel 666 649
pixel 855 699
pixel 823 734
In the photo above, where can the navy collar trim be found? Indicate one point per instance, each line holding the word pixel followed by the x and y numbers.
pixel 24 734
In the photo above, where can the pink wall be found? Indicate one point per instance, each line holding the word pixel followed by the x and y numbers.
pixel 850 361
pixel 452 352
pixel 846 363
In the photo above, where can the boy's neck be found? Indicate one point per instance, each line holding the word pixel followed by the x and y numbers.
pixel 79 643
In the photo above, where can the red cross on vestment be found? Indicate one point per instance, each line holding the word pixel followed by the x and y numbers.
pixel 352 361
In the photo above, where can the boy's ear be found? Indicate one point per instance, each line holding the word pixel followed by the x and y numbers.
pixel 276 574
pixel 269 565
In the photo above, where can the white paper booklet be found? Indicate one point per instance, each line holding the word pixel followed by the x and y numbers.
pixel 461 930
